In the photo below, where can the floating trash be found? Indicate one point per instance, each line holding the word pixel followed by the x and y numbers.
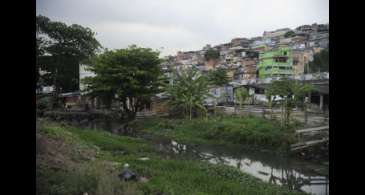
pixel 126 174
pixel 144 158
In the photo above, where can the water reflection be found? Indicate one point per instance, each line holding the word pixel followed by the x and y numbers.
pixel 269 168
pixel 276 171
pixel 107 125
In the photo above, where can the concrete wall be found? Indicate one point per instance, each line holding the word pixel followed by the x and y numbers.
pixel 222 94
pixel 159 106
pixel 300 59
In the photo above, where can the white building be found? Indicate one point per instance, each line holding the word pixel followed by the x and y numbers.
pixel 221 95
pixel 83 72
pixel 41 88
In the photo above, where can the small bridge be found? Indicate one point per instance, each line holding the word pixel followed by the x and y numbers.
pixel 149 114
pixel 145 114
pixel 313 78
pixel 320 82
pixel 310 137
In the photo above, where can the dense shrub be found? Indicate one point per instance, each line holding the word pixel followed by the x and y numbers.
pixel 249 130
pixel 166 124
pixel 59 182
pixel 172 175
pixel 43 104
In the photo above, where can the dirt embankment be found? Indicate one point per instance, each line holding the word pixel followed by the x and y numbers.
pixel 317 154
pixel 55 152
pixel 66 165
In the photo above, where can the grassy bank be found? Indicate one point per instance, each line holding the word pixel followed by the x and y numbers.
pixel 72 161
pixel 250 130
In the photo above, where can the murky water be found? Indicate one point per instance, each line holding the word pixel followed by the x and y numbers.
pixel 294 174
pixel 111 126
pixel 271 168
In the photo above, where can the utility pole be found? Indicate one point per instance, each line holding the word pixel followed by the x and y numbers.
pixel 305 110
pixel 306 99
pixel 55 94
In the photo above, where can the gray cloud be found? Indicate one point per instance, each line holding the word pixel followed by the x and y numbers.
pixel 182 25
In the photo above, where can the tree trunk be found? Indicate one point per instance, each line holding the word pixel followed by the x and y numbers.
pixel 305 114
pixel 129 109
pixel 270 107
pixel 282 115
pixel 186 111
pixel 55 90
pixel 241 109
pixel 215 109
pixel 288 116
pixel 288 110
pixel 285 114
pixel 107 102
pixel 190 109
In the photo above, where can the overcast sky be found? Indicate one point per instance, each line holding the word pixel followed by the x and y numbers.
pixel 182 25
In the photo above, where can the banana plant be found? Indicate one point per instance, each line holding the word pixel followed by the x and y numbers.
pixel 189 90
pixel 241 94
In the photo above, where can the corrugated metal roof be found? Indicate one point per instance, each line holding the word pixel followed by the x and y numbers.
pixel 70 94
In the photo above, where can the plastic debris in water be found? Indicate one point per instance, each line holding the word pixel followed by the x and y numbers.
pixel 144 158
pixel 126 174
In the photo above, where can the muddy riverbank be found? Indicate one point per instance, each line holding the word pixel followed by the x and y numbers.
pixel 303 172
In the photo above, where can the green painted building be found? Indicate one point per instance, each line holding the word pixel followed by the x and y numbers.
pixel 276 62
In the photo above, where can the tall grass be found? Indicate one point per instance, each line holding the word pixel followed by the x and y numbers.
pixel 166 174
pixel 249 130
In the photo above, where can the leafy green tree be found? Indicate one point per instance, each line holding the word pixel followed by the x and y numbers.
pixel 241 94
pixel 320 62
pixel 60 49
pixel 130 76
pixel 40 42
pixel 189 89
pixel 289 34
pixel 292 93
pixel 211 54
pixel 218 77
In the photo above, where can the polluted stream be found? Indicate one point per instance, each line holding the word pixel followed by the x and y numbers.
pixel 292 173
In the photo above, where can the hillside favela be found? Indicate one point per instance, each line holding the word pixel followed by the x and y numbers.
pixel 300 54
pixel 246 116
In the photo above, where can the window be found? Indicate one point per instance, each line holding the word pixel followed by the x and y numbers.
pixel 280 59
pixel 285 68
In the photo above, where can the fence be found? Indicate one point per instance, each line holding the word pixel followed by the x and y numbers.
pixel 302 77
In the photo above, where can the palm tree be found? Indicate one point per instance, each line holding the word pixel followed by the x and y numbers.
pixel 241 95
pixel 292 93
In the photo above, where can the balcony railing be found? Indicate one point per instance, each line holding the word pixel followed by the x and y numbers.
pixel 303 77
